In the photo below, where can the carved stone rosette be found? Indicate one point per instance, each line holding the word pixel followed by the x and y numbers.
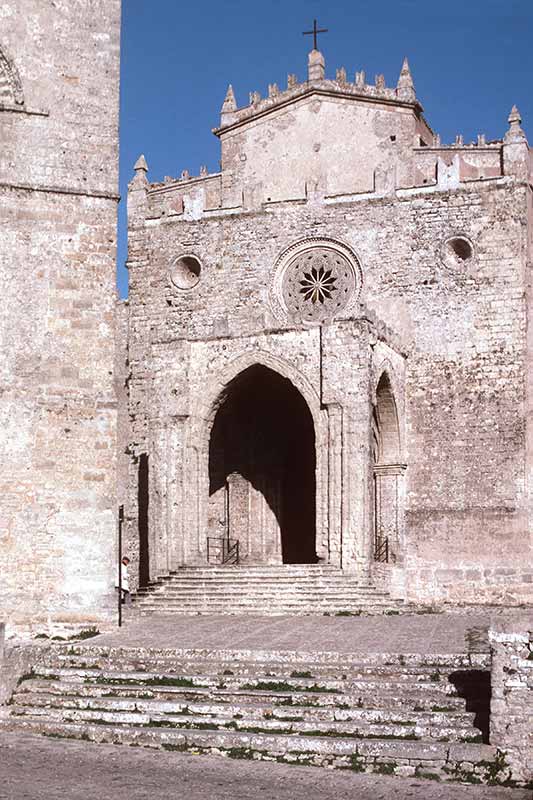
pixel 315 280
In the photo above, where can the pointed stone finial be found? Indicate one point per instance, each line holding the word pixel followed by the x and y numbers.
pixel 481 140
pixel 436 140
pixel 255 97
pixel 229 107
pixel 341 75
pixel 185 175
pixel 360 79
pixel 316 66
pixel 139 180
pixel 140 164
pixel 459 141
pixel 229 104
pixel 380 83
pixel 292 81
pixel 515 132
pixel 203 171
pixel 273 90
pixel 405 89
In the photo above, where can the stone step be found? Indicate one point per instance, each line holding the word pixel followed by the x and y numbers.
pixel 295 659
pixel 412 700
pixel 224 668
pixel 271 579
pixel 357 684
pixel 401 756
pixel 33 697
pixel 298 592
pixel 260 569
pixel 363 729
pixel 276 595
pixel 281 611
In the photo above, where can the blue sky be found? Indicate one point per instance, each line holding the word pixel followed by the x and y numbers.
pixel 470 59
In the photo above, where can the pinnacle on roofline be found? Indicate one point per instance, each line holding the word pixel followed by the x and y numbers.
pixel 140 164
pixel 405 88
pixel 515 132
pixel 230 104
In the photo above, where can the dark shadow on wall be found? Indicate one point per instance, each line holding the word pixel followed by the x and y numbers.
pixel 264 432
pixel 143 502
pixel 475 686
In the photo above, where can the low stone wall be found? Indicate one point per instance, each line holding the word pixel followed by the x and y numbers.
pixel 511 726
pixel 15 661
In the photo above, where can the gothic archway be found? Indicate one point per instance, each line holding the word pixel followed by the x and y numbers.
pixel 387 473
pixel 262 464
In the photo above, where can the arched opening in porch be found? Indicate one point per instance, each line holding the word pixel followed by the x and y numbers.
pixel 387 473
pixel 262 463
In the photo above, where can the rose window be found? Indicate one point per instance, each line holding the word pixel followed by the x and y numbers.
pixel 318 284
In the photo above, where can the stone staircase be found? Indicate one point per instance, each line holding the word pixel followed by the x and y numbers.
pixel 422 715
pixel 286 589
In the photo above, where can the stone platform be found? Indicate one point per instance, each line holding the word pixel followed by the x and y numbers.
pixel 400 695
pixel 460 632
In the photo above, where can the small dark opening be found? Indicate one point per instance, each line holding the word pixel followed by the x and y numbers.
pixel 461 248
pixel 191 264
pixel 474 685
pixel 393 138
pixel 142 500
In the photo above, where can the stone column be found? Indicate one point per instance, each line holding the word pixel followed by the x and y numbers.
pixel 158 518
pixel 335 483
pixel 175 509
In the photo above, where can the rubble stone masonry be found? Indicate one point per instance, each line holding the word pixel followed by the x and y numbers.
pixel 511 718
pixel 59 80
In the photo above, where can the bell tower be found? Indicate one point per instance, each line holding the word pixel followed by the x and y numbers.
pixel 59 87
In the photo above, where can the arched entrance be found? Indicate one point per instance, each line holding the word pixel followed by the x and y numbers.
pixel 262 464
pixel 388 474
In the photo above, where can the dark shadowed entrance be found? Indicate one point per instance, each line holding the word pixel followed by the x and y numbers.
pixel 262 468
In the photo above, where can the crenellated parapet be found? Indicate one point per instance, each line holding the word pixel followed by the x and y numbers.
pixel 402 94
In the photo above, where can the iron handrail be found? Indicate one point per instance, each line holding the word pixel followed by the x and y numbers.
pixel 381 550
pixel 224 550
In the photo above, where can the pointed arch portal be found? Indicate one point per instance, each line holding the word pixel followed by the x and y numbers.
pixel 388 474
pixel 262 465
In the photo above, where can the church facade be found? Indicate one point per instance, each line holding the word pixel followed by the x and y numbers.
pixel 327 348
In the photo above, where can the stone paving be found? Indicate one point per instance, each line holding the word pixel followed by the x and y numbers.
pixel 33 767
pixel 406 633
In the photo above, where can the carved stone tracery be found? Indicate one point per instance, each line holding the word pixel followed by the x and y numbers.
pixel 315 280
pixel 10 84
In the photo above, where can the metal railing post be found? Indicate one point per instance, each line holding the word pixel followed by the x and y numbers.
pixel 120 522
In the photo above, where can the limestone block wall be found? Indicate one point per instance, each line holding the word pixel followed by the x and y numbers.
pixel 512 695
pixel 459 311
pixel 58 187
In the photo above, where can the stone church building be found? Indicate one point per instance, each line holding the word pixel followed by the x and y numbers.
pixel 328 345
pixel 325 355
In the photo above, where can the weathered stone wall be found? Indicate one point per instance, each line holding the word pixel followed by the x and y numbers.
pixel 444 267
pixel 511 728
pixel 58 186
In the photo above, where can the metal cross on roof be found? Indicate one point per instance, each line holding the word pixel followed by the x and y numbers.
pixel 314 33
